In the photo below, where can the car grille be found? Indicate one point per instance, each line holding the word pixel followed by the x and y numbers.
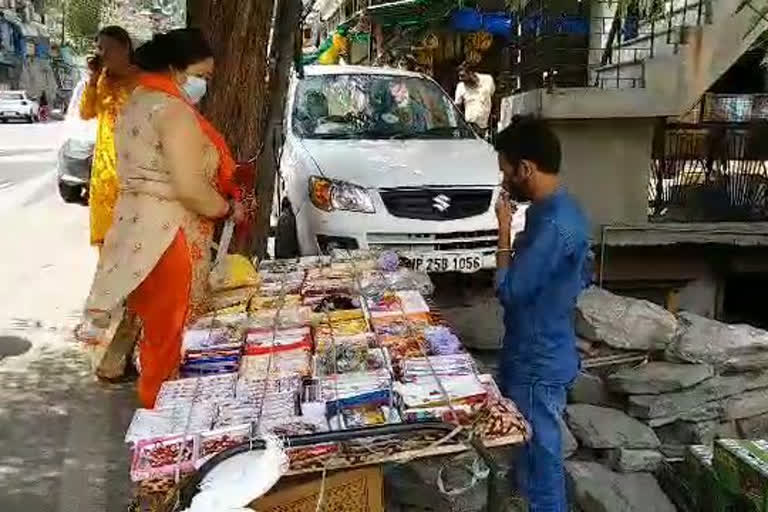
pixel 436 203
pixel 482 241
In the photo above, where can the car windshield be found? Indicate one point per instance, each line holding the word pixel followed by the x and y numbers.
pixel 365 106
pixel 11 96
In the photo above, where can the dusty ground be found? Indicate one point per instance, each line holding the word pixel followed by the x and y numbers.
pixel 60 433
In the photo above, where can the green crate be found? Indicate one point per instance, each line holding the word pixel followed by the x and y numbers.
pixel 707 493
pixel 672 480
pixel 741 467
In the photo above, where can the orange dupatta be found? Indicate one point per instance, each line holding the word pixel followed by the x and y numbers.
pixel 226 172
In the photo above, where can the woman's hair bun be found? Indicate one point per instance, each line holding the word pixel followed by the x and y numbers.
pixel 177 49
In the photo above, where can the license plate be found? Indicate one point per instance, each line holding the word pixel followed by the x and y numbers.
pixel 438 263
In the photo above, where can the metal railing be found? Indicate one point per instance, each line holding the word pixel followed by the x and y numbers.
pixel 709 172
pixel 728 108
pixel 605 47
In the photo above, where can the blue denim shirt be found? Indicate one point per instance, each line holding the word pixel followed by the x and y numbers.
pixel 538 291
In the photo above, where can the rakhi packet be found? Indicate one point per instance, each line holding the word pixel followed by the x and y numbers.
pixel 408 302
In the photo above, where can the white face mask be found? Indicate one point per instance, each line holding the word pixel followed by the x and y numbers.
pixel 195 88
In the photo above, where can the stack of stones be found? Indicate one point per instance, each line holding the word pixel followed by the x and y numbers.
pixel 698 380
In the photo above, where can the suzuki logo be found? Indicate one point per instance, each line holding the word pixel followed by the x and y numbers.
pixel 441 203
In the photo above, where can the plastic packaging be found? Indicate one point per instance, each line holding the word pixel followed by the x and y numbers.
pixel 235 271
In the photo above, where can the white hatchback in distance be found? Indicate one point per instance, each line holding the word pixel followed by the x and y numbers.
pixel 18 105
pixel 377 158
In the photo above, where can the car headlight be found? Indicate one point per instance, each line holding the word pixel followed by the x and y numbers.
pixel 332 195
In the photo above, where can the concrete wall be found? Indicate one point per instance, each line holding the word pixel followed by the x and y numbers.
pixel 606 165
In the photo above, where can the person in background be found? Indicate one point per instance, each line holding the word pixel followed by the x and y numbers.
pixel 112 79
pixel 43 106
pixel 176 180
pixel 315 110
pixel 474 95
pixel 538 281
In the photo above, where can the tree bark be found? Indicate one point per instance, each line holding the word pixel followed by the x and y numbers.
pixel 286 49
pixel 239 32
pixel 246 99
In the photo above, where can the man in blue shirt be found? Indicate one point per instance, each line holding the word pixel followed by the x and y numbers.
pixel 538 281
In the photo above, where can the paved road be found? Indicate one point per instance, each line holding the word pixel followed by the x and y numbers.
pixel 61 434
pixel 27 151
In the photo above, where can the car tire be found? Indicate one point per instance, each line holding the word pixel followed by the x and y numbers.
pixel 71 193
pixel 286 240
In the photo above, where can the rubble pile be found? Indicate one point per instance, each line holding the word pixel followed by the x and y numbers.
pixel 686 380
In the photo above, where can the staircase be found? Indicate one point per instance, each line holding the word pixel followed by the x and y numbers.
pixel 678 54
pixel 604 84
pixel 650 66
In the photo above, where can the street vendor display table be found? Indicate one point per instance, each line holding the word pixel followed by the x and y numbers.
pixel 342 357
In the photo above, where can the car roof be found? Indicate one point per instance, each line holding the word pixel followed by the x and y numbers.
pixel 316 70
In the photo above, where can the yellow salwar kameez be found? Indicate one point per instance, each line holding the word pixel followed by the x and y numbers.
pixel 103 101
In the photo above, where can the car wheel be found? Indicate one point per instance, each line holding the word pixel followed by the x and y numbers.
pixel 286 241
pixel 70 193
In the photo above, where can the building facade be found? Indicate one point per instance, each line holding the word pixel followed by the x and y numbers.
pixel 25 50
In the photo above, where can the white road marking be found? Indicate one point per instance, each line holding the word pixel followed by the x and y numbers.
pixel 47 156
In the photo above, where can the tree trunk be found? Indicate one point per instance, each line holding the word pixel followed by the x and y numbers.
pixel 239 32
pixel 286 49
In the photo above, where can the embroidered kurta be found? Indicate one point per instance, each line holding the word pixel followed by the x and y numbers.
pixel 152 208
pixel 104 101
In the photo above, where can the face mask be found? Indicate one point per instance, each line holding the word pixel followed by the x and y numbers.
pixel 195 88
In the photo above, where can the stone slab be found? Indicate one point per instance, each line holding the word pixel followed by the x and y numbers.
pixel 596 488
pixel 623 322
pixel 671 406
pixel 605 428
pixel 633 461
pixel 703 340
pixel 658 377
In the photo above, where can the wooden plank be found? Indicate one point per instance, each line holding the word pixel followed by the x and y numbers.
pixel 408 455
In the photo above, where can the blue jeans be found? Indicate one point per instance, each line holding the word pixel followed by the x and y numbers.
pixel 540 473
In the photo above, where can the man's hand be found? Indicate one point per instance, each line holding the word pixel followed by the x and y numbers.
pixel 505 209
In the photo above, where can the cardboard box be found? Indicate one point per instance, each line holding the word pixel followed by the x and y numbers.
pixel 741 467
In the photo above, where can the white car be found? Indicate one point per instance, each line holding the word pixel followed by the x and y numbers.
pixel 76 152
pixel 378 158
pixel 18 105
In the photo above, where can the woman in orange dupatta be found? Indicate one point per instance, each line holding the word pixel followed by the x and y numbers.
pixel 176 181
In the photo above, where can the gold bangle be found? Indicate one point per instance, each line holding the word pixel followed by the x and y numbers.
pixel 501 251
